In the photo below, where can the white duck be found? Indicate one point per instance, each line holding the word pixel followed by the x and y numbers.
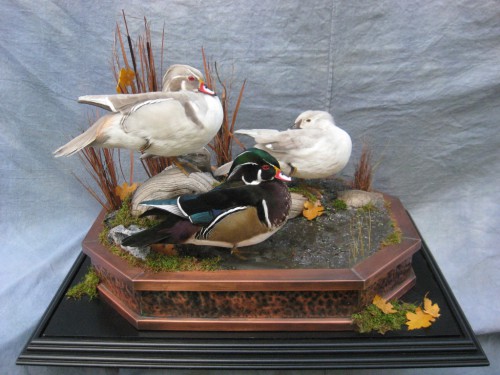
pixel 181 119
pixel 313 148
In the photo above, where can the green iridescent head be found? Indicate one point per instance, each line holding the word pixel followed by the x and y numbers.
pixel 254 166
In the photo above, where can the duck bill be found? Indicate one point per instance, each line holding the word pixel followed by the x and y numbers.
pixel 204 89
pixel 281 176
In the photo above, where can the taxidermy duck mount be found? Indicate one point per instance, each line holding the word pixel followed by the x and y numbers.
pixel 255 252
pixel 359 246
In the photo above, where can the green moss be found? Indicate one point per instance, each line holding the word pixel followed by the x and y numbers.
pixel 304 190
pixel 124 217
pixel 157 262
pixel 125 255
pixel 339 205
pixel 373 319
pixel 370 207
pixel 395 237
pixel 88 287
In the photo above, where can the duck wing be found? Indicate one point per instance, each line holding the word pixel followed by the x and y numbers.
pixel 126 102
pixel 203 209
pixel 277 141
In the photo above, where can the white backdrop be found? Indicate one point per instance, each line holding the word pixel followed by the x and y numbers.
pixel 420 81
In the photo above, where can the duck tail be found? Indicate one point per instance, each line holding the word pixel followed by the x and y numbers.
pixel 85 139
pixel 174 230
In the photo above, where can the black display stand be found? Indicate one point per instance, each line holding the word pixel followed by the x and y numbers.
pixel 90 333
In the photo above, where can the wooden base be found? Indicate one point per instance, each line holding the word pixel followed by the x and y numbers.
pixel 255 299
pixel 91 333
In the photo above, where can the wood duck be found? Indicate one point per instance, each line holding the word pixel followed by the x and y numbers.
pixel 251 205
pixel 181 119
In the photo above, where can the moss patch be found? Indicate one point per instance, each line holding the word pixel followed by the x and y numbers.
pixel 373 319
pixel 339 205
pixel 124 217
pixel 88 287
pixel 306 191
pixel 395 237
pixel 155 261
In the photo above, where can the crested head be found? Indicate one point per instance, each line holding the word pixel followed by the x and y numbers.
pixel 312 119
pixel 254 166
pixel 176 73
pixel 184 77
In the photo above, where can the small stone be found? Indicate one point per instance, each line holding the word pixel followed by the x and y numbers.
pixel 360 198
pixel 119 233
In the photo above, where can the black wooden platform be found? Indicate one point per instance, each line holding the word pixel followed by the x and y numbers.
pixel 83 333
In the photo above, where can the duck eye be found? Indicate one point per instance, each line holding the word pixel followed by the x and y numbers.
pixel 191 78
pixel 265 167
pixel 308 120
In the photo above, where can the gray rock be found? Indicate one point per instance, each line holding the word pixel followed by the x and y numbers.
pixel 360 198
pixel 118 233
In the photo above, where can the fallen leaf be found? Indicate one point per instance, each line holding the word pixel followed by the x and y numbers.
pixel 312 210
pixel 431 309
pixel 418 319
pixel 124 190
pixel 125 78
pixel 167 249
pixel 382 304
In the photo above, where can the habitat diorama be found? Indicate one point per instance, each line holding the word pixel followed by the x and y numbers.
pixel 221 236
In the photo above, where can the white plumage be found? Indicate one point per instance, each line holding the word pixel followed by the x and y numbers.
pixel 313 148
pixel 181 119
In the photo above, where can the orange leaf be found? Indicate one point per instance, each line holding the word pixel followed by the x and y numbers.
pixel 312 210
pixel 431 309
pixel 125 79
pixel 418 319
pixel 382 304
pixel 124 190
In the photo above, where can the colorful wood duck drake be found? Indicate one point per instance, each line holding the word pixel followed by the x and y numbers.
pixel 251 205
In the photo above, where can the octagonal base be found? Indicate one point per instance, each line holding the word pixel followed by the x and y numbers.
pixel 254 300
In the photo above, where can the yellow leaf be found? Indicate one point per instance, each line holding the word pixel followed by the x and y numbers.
pixel 430 308
pixel 418 319
pixel 382 304
pixel 125 79
pixel 124 190
pixel 312 210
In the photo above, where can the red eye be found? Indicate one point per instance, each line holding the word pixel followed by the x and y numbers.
pixel 191 78
pixel 265 167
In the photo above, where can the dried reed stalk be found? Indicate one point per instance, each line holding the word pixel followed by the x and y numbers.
pixel 101 167
pixel 146 79
pixel 222 143
pixel 363 174
pixel 139 58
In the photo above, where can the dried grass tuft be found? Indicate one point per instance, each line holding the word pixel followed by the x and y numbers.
pixel 363 174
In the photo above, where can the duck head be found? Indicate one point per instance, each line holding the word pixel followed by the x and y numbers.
pixel 310 119
pixel 184 77
pixel 254 166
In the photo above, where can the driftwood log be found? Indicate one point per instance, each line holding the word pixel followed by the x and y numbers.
pixel 171 183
